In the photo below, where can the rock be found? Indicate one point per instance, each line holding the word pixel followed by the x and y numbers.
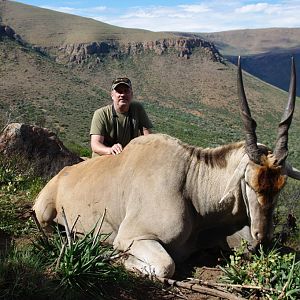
pixel 79 53
pixel 6 30
pixel 9 31
pixel 38 146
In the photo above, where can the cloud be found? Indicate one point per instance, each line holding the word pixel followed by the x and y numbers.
pixel 151 12
pixel 200 16
pixel 258 8
pixel 64 9
pixel 252 8
pixel 86 12
pixel 193 8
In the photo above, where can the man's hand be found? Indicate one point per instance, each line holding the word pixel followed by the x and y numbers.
pixel 116 149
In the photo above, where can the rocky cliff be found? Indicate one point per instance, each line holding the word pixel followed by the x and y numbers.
pixel 7 31
pixel 81 52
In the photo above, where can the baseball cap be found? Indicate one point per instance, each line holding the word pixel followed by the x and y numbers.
pixel 121 80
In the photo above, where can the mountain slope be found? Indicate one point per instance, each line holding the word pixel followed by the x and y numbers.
pixel 194 100
pixel 266 52
pixel 255 41
pixel 191 97
pixel 271 67
pixel 34 89
pixel 49 28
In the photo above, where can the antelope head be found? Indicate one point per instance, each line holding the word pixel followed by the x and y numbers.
pixel 266 172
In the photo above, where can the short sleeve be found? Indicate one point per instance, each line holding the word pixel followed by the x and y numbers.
pixel 98 125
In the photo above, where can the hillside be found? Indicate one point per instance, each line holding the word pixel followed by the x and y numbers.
pixel 193 99
pixel 34 89
pixel 69 38
pixel 255 41
pixel 187 89
pixel 267 52
pixel 49 28
pixel 272 67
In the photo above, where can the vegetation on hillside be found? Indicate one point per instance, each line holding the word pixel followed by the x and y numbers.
pixel 265 274
pixel 255 41
pixel 192 99
pixel 272 67
pixel 266 52
pixel 48 28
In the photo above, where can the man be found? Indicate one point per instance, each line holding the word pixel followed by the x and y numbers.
pixel 113 126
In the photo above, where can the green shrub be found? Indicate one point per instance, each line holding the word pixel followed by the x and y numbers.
pixel 18 188
pixel 82 265
pixel 17 175
pixel 22 275
pixel 287 215
pixel 79 150
pixel 272 274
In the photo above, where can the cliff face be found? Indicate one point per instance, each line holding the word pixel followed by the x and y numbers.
pixel 7 31
pixel 79 53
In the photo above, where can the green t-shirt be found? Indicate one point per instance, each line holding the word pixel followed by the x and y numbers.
pixel 103 124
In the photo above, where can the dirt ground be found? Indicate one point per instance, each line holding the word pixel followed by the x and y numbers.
pixel 202 266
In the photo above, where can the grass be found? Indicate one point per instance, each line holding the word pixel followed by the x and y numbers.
pixel 271 275
pixel 249 42
pixel 79 149
pixel 81 267
pixel 48 28
pixel 194 100
pixel 22 274
pixel 287 215
pixel 18 187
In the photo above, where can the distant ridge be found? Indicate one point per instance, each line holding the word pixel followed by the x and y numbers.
pixel 49 28
pixel 73 39
pixel 255 41
pixel 192 97
pixel 266 52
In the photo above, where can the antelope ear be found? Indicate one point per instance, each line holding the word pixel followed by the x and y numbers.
pixel 235 179
pixel 291 171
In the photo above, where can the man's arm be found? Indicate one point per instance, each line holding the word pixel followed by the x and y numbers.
pixel 99 148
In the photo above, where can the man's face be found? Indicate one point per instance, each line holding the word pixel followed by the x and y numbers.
pixel 121 95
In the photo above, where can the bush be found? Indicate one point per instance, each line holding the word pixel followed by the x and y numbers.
pixel 18 187
pixel 17 175
pixel 271 274
pixel 83 265
pixel 79 150
pixel 22 275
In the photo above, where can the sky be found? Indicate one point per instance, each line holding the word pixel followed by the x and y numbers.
pixel 183 15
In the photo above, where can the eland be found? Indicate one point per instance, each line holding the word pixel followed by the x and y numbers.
pixel 164 199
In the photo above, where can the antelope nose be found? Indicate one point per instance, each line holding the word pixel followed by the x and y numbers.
pixel 258 236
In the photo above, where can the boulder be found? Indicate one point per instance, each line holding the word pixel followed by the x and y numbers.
pixel 38 146
pixel 9 31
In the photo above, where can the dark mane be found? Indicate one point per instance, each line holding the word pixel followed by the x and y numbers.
pixel 214 157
